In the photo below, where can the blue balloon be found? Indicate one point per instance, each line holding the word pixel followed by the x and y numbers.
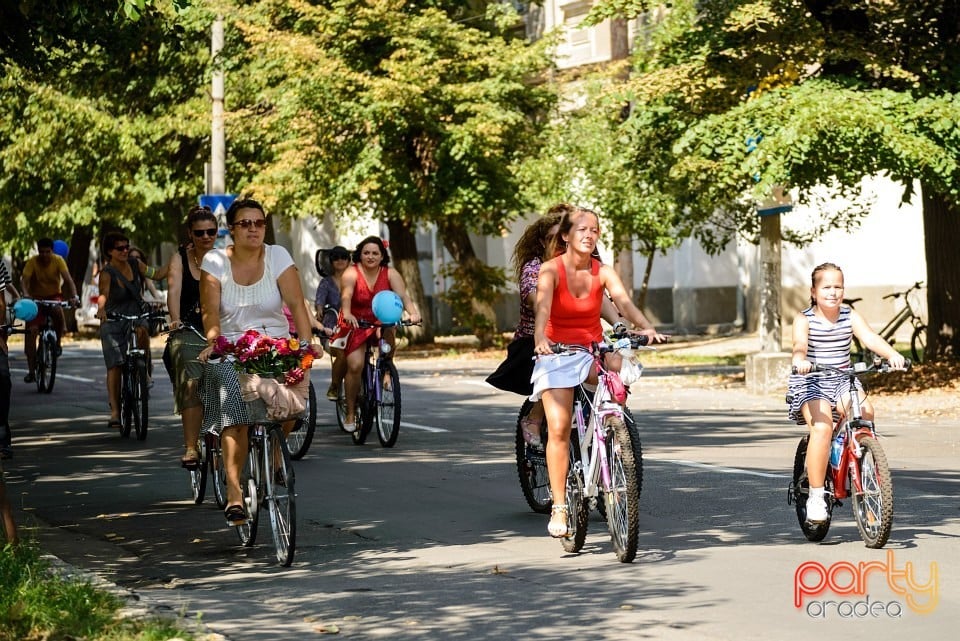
pixel 387 307
pixel 25 310
pixel 60 248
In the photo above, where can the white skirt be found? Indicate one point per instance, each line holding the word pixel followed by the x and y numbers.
pixel 559 371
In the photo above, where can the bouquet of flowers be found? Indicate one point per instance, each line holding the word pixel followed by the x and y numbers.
pixel 256 353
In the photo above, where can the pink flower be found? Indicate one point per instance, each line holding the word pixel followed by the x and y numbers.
pixel 293 376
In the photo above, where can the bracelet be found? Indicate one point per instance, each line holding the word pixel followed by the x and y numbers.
pixel 151 271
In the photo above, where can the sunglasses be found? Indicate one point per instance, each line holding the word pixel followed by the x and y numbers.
pixel 199 233
pixel 121 248
pixel 246 223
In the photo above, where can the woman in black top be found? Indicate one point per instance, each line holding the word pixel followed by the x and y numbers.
pixel 186 339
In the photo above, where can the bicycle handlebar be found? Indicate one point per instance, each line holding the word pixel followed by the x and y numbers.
pixel 640 340
pixel 53 303
pixel 365 324
pixel 113 316
pixel 916 285
pixel 881 367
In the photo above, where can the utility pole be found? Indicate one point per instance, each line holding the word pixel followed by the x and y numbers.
pixel 216 179
pixel 620 50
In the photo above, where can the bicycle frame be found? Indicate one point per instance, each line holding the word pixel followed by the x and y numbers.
pixel 855 426
pixel 594 461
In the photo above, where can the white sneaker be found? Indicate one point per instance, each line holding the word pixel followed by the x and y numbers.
pixel 350 428
pixel 817 509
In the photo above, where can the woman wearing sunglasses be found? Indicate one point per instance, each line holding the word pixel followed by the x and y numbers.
pixel 121 285
pixel 186 339
pixel 242 287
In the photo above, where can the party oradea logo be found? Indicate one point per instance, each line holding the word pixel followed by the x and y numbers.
pixel 865 590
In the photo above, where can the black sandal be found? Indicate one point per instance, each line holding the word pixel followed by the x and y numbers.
pixel 235 515
pixel 114 424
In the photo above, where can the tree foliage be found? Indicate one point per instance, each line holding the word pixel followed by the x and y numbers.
pixel 106 121
pixel 834 91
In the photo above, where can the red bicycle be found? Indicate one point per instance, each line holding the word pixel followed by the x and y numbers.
pixel 858 468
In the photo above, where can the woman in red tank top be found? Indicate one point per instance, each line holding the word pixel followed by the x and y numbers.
pixel 569 294
pixel 358 285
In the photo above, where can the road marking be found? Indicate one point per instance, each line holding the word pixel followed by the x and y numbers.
pixel 719 468
pixel 425 428
pixel 79 379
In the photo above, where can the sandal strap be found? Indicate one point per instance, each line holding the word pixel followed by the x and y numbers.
pixel 559 508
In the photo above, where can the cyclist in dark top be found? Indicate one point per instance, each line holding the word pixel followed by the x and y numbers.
pixel 184 344
pixel 120 284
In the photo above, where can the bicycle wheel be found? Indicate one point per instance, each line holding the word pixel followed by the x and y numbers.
pixel 623 498
pixel 43 363
pixel 250 484
pixel 140 397
pixel 302 435
pixel 198 475
pixel 48 374
pixel 800 490
pixel 532 467
pixel 280 496
pixel 387 411
pixel 577 508
pixel 364 413
pixel 637 456
pixel 918 343
pixel 873 503
pixel 217 471
pixel 126 399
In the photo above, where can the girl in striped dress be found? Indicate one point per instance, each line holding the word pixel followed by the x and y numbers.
pixel 822 333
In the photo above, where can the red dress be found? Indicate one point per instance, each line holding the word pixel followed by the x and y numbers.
pixel 361 306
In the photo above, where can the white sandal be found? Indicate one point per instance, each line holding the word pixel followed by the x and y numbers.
pixel 559 529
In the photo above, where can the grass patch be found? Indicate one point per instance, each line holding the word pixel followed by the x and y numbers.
pixel 36 603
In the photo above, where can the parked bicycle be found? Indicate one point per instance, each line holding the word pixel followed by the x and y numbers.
pixel 918 336
pixel 48 346
pixel 602 456
pixel 376 403
pixel 858 468
pixel 135 380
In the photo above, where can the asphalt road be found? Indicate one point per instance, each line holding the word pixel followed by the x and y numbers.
pixel 432 539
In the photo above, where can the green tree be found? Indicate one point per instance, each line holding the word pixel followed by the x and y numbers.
pixel 839 91
pixel 105 123
pixel 388 108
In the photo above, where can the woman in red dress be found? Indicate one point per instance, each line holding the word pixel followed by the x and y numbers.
pixel 369 274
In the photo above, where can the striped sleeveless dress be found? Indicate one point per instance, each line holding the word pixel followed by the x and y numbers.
pixel 827 344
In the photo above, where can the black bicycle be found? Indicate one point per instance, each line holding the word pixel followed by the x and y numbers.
pixel 135 380
pixel 918 335
pixel 376 402
pixel 48 346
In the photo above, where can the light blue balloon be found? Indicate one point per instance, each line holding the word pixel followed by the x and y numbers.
pixel 25 310
pixel 387 307
pixel 60 248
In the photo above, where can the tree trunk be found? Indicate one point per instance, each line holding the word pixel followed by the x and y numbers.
pixel 457 242
pixel 404 258
pixel 645 284
pixel 77 260
pixel 941 230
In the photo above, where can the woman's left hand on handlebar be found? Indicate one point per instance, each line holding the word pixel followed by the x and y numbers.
pixel 653 335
